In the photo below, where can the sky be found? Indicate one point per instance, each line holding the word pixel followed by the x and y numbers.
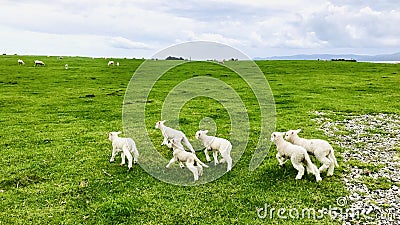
pixel 141 28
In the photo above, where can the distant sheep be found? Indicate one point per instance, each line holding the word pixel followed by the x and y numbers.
pixel 39 63
pixel 297 155
pixel 216 144
pixel 110 63
pixel 124 145
pixel 66 66
pixel 21 62
pixel 321 149
pixel 117 63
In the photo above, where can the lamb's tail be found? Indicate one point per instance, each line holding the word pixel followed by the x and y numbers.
pixel 332 157
pixel 200 162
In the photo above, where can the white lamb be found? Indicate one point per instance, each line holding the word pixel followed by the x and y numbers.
pixel 66 66
pixel 110 63
pixel 124 145
pixel 169 133
pixel 216 144
pixel 21 62
pixel 117 63
pixel 321 149
pixel 190 159
pixel 297 155
pixel 39 63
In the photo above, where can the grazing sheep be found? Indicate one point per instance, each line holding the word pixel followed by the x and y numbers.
pixel 124 145
pixel 66 66
pixel 110 63
pixel 21 62
pixel 321 149
pixel 297 155
pixel 117 63
pixel 169 133
pixel 216 144
pixel 39 63
pixel 190 159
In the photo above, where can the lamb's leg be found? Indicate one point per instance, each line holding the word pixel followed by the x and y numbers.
pixel 122 158
pixel 200 170
pixel 171 161
pixel 114 152
pixel 331 169
pixel 128 155
pixel 229 162
pixel 309 170
pixel 326 163
pixel 207 156
pixel 215 155
pixel 300 168
pixel 192 168
pixel 317 174
pixel 281 160
pixel 165 141
pixel 228 159
pixel 135 155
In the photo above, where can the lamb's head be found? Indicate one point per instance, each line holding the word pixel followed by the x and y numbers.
pixel 276 136
pixel 292 134
pixel 175 143
pixel 159 124
pixel 200 133
pixel 113 135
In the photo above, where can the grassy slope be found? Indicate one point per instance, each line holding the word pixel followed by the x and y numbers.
pixel 54 147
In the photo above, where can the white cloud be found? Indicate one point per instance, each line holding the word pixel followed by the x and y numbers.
pixel 214 37
pixel 259 26
pixel 120 42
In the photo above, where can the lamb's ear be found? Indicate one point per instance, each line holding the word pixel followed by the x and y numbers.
pixel 205 131
pixel 297 131
pixel 162 121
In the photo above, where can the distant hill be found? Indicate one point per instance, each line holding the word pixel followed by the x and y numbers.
pixel 385 57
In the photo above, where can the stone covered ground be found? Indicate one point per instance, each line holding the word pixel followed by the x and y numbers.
pixel 370 152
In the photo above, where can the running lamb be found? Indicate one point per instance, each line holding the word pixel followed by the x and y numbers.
pixel 169 133
pixel 216 144
pixel 124 145
pixel 297 155
pixel 190 159
pixel 321 149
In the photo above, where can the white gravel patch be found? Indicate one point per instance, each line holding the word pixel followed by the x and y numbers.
pixel 371 156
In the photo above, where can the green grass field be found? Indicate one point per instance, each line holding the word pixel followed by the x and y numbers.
pixel 54 164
